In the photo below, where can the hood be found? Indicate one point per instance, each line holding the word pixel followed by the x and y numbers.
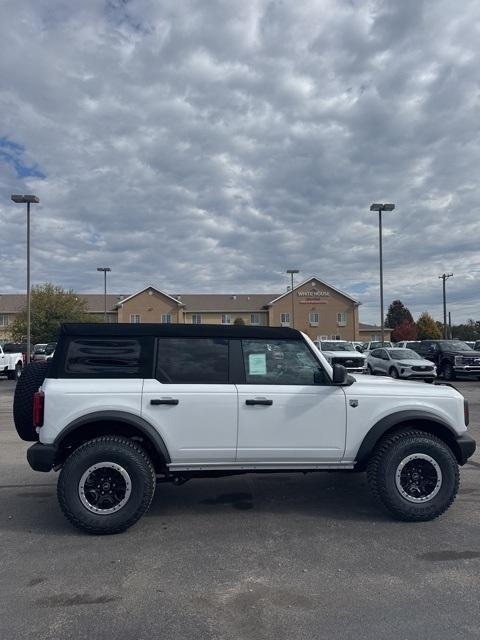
pixel 344 354
pixel 371 385
pixel 415 362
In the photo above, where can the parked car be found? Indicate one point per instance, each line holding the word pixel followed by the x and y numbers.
pixel 38 350
pixel 43 352
pixel 375 344
pixel 358 346
pixel 477 345
pixel 123 406
pixel 11 364
pixel 451 357
pixel 406 344
pixel 344 353
pixel 16 347
pixel 401 363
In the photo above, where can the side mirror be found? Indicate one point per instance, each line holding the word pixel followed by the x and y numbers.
pixel 340 374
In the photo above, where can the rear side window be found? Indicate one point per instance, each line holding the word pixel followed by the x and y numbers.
pixel 192 360
pixel 106 357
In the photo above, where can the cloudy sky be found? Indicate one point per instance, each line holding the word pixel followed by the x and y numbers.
pixel 208 145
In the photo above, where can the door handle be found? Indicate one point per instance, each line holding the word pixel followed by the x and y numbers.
pixel 164 401
pixel 262 401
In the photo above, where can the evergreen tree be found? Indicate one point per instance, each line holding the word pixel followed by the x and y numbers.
pixel 397 313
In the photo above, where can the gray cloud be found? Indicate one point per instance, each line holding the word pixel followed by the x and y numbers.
pixel 210 146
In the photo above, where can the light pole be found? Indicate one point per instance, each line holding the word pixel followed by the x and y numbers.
pixel 379 208
pixel 29 199
pixel 104 269
pixel 445 277
pixel 292 272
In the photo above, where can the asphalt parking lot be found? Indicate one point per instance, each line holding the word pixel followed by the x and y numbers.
pixel 263 556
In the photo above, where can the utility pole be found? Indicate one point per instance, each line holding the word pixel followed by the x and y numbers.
pixel 450 326
pixel 445 277
pixel 379 208
pixel 105 270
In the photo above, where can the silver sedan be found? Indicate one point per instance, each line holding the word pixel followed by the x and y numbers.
pixel 400 363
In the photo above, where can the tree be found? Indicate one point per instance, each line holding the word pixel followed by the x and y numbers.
pixel 397 313
pixel 405 331
pixel 427 328
pixel 239 321
pixel 50 306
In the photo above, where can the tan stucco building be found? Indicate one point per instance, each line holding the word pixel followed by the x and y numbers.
pixel 315 307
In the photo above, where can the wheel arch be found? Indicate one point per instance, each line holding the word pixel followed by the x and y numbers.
pixel 101 423
pixel 423 421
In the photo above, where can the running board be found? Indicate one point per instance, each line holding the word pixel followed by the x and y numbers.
pixel 261 466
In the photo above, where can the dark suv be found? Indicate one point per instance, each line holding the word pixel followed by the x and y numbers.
pixel 452 357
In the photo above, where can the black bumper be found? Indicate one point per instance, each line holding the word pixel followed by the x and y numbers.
pixel 466 447
pixel 41 457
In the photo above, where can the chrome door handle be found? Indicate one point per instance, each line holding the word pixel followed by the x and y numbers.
pixel 164 401
pixel 262 401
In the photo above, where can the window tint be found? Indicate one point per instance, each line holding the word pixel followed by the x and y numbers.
pixel 192 360
pixel 280 362
pixel 106 357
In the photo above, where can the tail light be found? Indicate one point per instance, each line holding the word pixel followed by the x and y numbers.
pixel 38 408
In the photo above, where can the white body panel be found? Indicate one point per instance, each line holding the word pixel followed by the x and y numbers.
pixel 70 398
pixel 8 361
pixel 201 427
pixel 303 423
pixel 381 397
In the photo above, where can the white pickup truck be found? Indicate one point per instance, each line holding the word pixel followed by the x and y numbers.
pixel 11 364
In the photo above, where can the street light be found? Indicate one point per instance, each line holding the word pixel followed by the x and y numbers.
pixel 292 272
pixel 29 199
pixel 379 208
pixel 445 277
pixel 104 269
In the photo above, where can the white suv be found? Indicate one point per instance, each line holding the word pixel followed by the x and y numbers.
pixel 121 407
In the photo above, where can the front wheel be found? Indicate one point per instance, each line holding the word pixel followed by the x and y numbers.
pixel 448 372
pixel 394 373
pixel 370 370
pixel 414 475
pixel 106 485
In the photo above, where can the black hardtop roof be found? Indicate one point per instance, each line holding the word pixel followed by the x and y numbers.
pixel 91 329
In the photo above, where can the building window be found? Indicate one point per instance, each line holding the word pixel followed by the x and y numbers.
pixel 285 319
pixel 226 318
pixel 313 318
pixel 196 318
pixel 337 337
pixel 3 319
pixel 342 319
pixel 166 318
pixel 254 318
pixel 134 318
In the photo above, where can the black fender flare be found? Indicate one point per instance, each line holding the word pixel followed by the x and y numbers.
pixel 397 420
pixel 140 424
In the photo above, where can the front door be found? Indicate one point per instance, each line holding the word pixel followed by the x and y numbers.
pixel 288 410
pixel 190 402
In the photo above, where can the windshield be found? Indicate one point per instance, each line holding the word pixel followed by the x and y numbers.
pixel 377 345
pixel 455 345
pixel 404 354
pixel 337 346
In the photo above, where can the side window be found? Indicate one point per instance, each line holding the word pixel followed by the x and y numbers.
pixel 107 357
pixel 192 360
pixel 281 362
pixel 375 353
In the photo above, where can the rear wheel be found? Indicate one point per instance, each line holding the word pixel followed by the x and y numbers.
pixel 448 372
pixel 106 485
pixel 414 475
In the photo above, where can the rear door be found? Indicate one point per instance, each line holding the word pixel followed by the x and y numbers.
pixel 288 412
pixel 191 401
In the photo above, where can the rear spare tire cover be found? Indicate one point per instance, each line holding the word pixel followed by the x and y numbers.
pixel 31 379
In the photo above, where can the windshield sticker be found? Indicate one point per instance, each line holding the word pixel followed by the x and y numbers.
pixel 257 364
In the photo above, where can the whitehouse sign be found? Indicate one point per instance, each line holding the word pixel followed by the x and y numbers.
pixel 313 294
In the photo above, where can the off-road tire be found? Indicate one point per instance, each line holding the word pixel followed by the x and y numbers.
pixel 122 451
pixel 383 464
pixel 448 373
pixel 31 379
